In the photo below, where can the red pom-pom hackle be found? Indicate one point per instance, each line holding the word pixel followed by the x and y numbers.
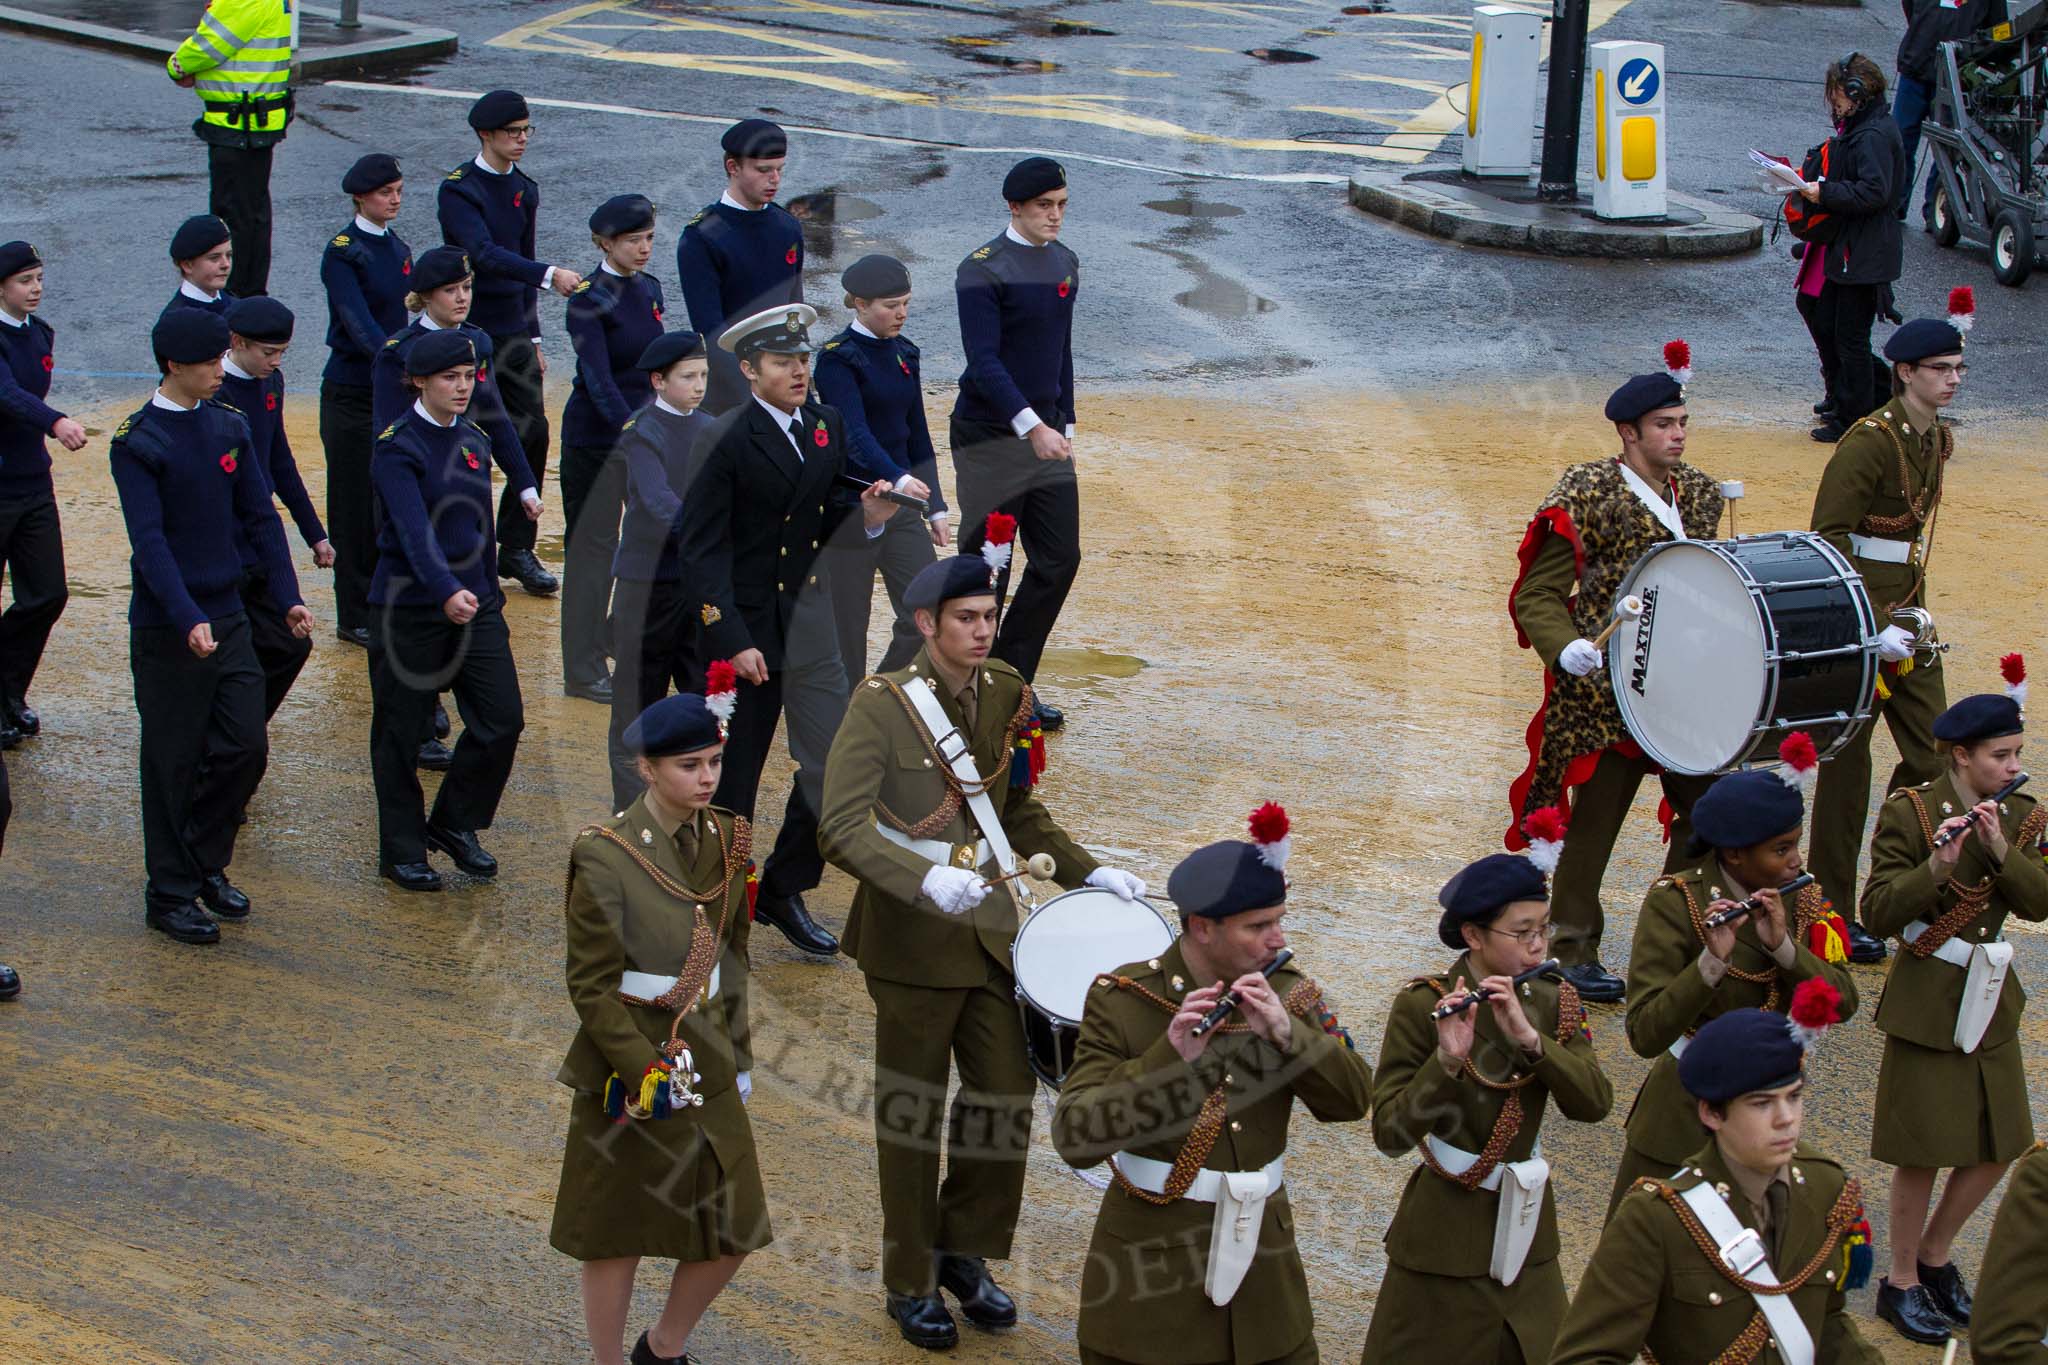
pixel 1001 528
pixel 1270 828
pixel 1547 824
pixel 1678 361
pixel 2013 668
pixel 721 691
pixel 1816 1006
pixel 1962 307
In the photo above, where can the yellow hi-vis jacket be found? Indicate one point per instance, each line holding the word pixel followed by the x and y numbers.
pixel 241 57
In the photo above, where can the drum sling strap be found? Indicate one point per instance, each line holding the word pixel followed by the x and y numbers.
pixel 960 759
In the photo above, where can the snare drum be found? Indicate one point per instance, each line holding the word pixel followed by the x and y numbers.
pixel 1060 950
pixel 1740 643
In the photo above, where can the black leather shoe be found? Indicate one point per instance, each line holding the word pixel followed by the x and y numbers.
pixel 222 897
pixel 787 913
pixel 1824 408
pixel 525 566
pixel 353 635
pixel 924 1321
pixel 10 982
pixel 1049 718
pixel 1946 1290
pixel 1912 1312
pixel 1829 432
pixel 183 921
pixel 440 720
pixel 461 845
pixel 599 691
pixel 1595 984
pixel 410 876
pixel 435 757
pixel 1865 946
pixel 643 1354
pixel 982 1301
pixel 22 717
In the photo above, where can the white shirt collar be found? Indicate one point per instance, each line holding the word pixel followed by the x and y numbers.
pixel 227 362
pixel 608 268
pixel 193 291
pixel 11 320
pixel 1657 500
pixel 781 419
pixel 365 225
pixel 671 408
pixel 157 400
pixel 856 325
pixel 487 168
pixel 421 409
pixel 726 199
pixel 427 321
pixel 1021 240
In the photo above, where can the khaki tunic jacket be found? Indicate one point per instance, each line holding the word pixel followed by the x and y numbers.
pixel 1668 999
pixel 1650 1285
pixel 1129 1091
pixel 1923 994
pixel 1442 1228
pixel 883 767
pixel 1883 482
pixel 2009 1324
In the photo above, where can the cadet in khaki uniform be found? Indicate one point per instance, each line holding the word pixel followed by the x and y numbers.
pixel 934 939
pixel 1175 1111
pixel 1467 1092
pixel 657 947
pixel 1681 973
pixel 1791 1218
pixel 1876 504
pixel 1939 1104
pixel 2009 1324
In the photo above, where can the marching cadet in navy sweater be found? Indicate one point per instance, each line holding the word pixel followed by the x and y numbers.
pixel 871 373
pixel 367 271
pixel 1013 423
pixel 31 537
pixel 743 254
pixel 442 285
pixel 488 207
pixel 439 619
pixel 654 631
pixel 189 485
pixel 613 316
pixel 260 331
pixel 204 256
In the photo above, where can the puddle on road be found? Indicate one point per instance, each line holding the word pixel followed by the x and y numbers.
pixel 1193 208
pixel 830 206
pixel 1225 298
pixel 1279 55
pixel 1089 663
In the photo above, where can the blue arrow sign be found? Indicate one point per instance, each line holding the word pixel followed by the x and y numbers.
pixel 1638 80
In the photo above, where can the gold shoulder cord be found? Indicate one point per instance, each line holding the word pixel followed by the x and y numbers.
pixel 957 790
pixel 1571 1015
pixel 1806 909
pixel 1918 512
pixel 1970 900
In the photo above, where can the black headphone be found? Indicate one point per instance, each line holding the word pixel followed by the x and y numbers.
pixel 1849 82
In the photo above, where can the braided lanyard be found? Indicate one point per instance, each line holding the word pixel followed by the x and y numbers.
pixel 958 791
pixel 1806 909
pixel 1970 900
pixel 1507 1124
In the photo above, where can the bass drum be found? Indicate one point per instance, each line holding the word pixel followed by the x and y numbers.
pixel 1740 643
pixel 1057 954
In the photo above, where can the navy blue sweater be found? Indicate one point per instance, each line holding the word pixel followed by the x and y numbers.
pixel 1017 323
pixel 878 388
pixel 390 399
pixel 261 403
pixel 611 320
pixel 491 217
pixel 733 263
pixel 662 454
pixel 180 299
pixel 25 419
pixel 189 485
pixel 436 519
pixel 366 277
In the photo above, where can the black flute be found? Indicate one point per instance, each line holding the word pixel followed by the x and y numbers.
pixel 1754 904
pixel 1229 1001
pixel 1446 1011
pixel 1949 836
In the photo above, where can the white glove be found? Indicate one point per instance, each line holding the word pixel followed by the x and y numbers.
pixel 1579 658
pixel 745 1082
pixel 1117 880
pixel 954 890
pixel 1894 644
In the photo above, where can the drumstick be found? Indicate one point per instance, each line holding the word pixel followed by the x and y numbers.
pixel 1228 1000
pixel 1948 1356
pixel 1627 609
pixel 1039 865
pixel 1446 1011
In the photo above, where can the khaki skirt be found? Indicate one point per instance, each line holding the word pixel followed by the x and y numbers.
pixel 1945 1109
pixel 1473 1320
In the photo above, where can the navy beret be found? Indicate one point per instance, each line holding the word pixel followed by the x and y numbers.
pixel 1644 393
pixel 1225 879
pixel 1477 894
pixel 1988 715
pixel 1031 177
pixel 622 213
pixel 1921 338
pixel 196 236
pixel 756 138
pixel 677 724
pixel 784 329
pixel 943 580
pixel 1739 1053
pixel 260 318
pixel 666 349
pixel 436 351
pixel 1745 808
pixel 876 277
pixel 372 172
pixel 439 266
pixel 189 336
pixel 496 109
pixel 16 257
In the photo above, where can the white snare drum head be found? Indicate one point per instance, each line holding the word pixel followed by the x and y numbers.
pixel 1689 673
pixel 1072 939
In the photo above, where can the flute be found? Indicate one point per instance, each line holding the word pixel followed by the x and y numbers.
pixel 1949 836
pixel 1229 1000
pixel 1446 1011
pixel 1755 903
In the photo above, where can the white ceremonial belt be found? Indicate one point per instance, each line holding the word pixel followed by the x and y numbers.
pixel 935 850
pixel 1521 1185
pixel 649 987
pixel 1984 966
pixel 1240 1200
pixel 1741 1250
pixel 1150 1176
pixel 1881 550
pixel 1955 952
